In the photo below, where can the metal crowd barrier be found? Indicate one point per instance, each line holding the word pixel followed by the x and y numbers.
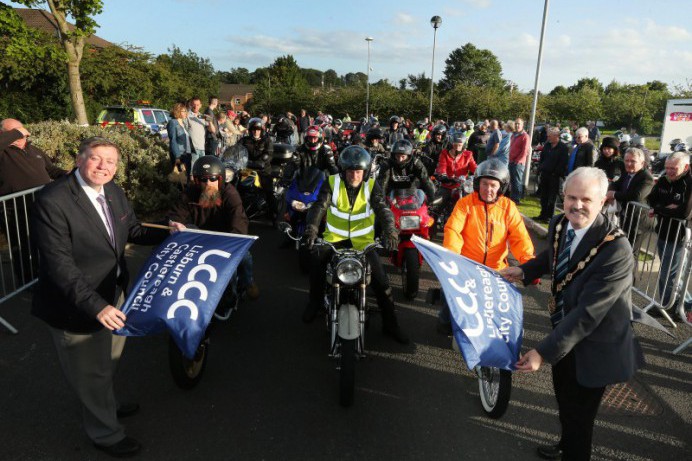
pixel 656 280
pixel 18 259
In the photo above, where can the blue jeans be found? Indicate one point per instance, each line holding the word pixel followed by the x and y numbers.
pixel 673 263
pixel 516 178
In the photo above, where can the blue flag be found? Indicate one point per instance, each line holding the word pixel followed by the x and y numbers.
pixel 180 285
pixel 487 310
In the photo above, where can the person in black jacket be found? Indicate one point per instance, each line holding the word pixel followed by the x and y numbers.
pixel 81 223
pixel 633 186
pixel 402 171
pixel 313 152
pixel 609 160
pixel 584 152
pixel 552 167
pixel 260 149
pixel 671 202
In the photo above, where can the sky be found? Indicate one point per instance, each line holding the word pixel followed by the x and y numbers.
pixel 630 41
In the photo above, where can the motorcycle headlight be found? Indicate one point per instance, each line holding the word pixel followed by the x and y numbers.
pixel 298 206
pixel 349 271
pixel 409 222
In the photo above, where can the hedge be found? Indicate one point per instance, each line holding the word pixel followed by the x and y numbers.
pixel 143 169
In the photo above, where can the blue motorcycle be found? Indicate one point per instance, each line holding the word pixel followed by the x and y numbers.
pixel 301 194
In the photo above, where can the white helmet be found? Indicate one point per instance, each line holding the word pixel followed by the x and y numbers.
pixel 566 138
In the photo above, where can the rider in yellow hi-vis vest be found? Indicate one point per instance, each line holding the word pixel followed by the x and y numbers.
pixel 357 224
pixel 352 203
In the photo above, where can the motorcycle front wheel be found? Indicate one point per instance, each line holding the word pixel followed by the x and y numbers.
pixel 410 273
pixel 187 373
pixel 495 387
pixel 347 372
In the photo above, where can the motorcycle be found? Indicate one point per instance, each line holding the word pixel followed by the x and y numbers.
pixel 463 186
pixel 247 180
pixel 494 384
pixel 300 196
pixel 186 372
pixel 348 276
pixel 411 218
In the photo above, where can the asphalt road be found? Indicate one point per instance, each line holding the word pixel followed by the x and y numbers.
pixel 270 391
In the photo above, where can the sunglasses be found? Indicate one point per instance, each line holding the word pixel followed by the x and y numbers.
pixel 209 178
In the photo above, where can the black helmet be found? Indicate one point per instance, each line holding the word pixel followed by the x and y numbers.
pixel 675 142
pixel 420 124
pixel 254 124
pixel 354 158
pixel 394 119
pixel 402 147
pixel 459 138
pixel 207 166
pixel 337 123
pixel 439 129
pixel 492 169
pixel 374 133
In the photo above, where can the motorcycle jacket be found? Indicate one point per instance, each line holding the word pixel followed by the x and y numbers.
pixel 481 231
pixel 413 175
pixel 349 205
pixel 434 149
pixel 666 192
pixel 374 150
pixel 259 152
pixel 228 217
pixel 454 167
pixel 392 136
pixel 304 158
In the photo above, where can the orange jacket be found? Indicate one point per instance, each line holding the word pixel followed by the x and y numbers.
pixel 482 232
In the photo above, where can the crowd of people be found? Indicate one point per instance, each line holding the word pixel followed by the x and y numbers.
pixel 82 220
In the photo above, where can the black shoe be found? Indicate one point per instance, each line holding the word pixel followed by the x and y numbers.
pixel 125 448
pixel 309 313
pixel 395 332
pixel 549 451
pixel 127 409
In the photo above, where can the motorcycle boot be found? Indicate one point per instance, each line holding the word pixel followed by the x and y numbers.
pixel 390 326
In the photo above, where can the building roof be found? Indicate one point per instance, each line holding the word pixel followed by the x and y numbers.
pixel 44 21
pixel 228 90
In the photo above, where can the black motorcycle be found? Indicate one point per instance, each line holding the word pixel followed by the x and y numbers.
pixel 348 276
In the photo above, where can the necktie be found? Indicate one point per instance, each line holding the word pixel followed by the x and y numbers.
pixel 560 273
pixel 626 183
pixel 109 218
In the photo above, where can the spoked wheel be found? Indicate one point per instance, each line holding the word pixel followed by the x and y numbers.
pixel 347 372
pixel 187 373
pixel 410 273
pixel 495 386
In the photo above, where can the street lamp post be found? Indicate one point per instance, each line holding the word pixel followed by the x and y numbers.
pixel 435 21
pixel 367 91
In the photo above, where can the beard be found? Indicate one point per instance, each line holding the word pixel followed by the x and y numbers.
pixel 209 198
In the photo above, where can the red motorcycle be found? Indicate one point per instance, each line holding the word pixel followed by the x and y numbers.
pixel 411 218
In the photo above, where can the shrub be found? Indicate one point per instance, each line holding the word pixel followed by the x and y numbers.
pixel 143 169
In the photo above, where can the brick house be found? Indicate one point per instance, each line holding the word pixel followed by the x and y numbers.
pixel 44 21
pixel 235 96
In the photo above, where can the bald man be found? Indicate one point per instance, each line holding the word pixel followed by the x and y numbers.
pixel 22 166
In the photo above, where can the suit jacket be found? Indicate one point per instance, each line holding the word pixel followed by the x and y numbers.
pixel 638 189
pixel 598 308
pixel 79 265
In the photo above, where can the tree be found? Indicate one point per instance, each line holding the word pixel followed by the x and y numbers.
pixel 73 41
pixel 469 65
pixel 592 83
pixel 331 78
pixel 235 75
pixel 418 83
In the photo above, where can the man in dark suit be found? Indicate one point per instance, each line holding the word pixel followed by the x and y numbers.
pixel 81 223
pixel 584 153
pixel 633 186
pixel 552 167
pixel 592 343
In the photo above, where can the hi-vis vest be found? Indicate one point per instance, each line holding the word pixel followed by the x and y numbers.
pixel 358 224
pixel 420 135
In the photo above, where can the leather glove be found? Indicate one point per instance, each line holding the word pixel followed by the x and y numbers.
pixel 391 241
pixel 309 236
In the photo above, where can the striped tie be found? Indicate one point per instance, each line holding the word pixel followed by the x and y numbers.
pixel 560 273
